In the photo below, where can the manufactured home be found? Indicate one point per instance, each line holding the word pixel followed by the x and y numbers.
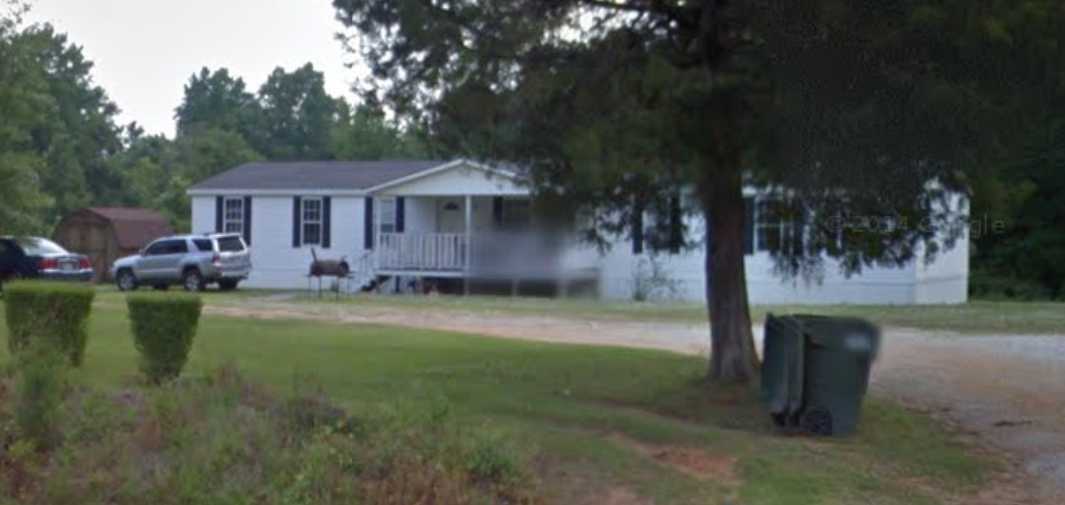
pixel 458 225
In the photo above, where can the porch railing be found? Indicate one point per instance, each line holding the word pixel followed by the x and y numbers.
pixel 421 251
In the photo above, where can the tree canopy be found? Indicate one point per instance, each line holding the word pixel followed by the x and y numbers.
pixel 863 119
pixel 61 149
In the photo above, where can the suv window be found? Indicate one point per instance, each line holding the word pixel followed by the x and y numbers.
pixel 168 247
pixel 203 244
pixel 230 244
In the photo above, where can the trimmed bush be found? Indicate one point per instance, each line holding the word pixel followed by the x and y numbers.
pixel 164 326
pixel 52 311
pixel 39 383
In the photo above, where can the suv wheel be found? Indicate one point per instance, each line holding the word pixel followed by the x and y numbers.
pixel 125 280
pixel 192 280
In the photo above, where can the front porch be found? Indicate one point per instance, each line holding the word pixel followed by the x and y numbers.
pixel 469 237
pixel 432 235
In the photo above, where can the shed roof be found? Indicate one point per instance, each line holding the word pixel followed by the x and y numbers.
pixel 134 227
pixel 345 175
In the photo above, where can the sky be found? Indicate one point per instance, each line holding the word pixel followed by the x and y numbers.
pixel 145 50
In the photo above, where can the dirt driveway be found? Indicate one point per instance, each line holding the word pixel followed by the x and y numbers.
pixel 1005 391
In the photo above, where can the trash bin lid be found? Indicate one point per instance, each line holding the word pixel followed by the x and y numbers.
pixel 849 334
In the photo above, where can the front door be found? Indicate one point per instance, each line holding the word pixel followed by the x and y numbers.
pixel 451 215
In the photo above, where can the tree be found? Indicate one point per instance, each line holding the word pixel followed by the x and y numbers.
pixel 297 115
pixel 21 97
pixel 157 171
pixel 849 112
pixel 77 133
pixel 217 100
pixel 1019 246
pixel 366 134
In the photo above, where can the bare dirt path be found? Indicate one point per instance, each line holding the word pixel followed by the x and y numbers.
pixel 1006 391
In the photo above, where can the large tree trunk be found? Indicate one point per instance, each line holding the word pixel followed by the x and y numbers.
pixel 733 357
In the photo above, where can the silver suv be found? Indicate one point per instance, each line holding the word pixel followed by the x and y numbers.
pixel 194 261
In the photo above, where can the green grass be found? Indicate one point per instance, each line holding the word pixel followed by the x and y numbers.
pixel 582 408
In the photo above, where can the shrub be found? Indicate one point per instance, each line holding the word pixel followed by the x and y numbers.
pixel 52 311
pixel 163 329
pixel 39 383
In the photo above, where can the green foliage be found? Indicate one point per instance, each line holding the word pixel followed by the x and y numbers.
pixel 229 440
pixel 1022 257
pixel 22 98
pixel 215 100
pixel 297 115
pixel 157 171
pixel 164 326
pixel 57 313
pixel 491 458
pixel 40 382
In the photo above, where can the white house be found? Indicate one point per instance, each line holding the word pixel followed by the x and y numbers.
pixel 451 224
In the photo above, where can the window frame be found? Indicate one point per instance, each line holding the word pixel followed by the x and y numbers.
pixel 386 204
pixel 227 220
pixel 517 214
pixel 305 221
pixel 780 224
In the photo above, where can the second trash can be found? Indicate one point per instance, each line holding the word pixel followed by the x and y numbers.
pixel 821 364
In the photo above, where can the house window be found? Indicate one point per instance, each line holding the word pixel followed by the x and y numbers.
pixel 517 214
pixel 387 216
pixel 233 221
pixel 769 225
pixel 312 221
pixel 777 225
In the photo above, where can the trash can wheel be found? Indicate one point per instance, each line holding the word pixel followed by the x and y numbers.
pixel 780 420
pixel 816 421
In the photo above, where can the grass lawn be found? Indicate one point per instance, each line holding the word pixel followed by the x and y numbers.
pixel 595 421
pixel 975 318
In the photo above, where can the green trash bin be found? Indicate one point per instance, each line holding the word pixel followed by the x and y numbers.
pixel 839 354
pixel 815 371
pixel 782 369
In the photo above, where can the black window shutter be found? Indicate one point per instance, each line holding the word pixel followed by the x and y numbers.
pixel 748 225
pixel 798 231
pixel 327 219
pixel 400 217
pixel 296 221
pixel 219 209
pixel 497 210
pixel 676 225
pixel 247 220
pixel 367 224
pixel 637 229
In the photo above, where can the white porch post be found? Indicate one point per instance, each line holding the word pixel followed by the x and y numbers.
pixel 469 244
pixel 376 231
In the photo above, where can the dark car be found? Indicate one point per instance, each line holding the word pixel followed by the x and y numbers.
pixel 40 258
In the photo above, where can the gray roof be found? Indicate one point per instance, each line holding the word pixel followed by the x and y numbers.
pixel 347 175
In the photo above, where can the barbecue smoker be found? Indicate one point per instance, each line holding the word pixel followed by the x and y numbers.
pixel 339 270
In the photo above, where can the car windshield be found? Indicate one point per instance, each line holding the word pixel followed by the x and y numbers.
pixel 35 246
pixel 230 244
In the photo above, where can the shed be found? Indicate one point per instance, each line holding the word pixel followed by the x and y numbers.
pixel 105 234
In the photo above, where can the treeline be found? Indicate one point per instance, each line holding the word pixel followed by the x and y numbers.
pixel 61 148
